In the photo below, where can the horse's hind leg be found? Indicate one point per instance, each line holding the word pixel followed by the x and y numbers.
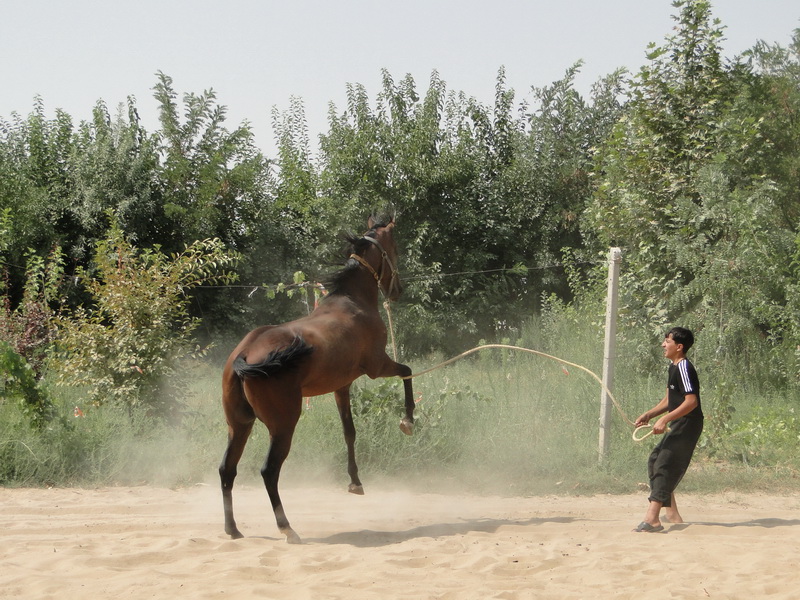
pixel 343 404
pixel 279 446
pixel 279 409
pixel 237 438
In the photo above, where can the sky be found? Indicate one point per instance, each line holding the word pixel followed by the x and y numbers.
pixel 258 54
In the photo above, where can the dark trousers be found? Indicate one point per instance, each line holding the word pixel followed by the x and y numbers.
pixel 671 457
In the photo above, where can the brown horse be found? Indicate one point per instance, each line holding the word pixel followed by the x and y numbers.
pixel 273 368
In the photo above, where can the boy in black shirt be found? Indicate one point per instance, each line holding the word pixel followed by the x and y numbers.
pixel 670 458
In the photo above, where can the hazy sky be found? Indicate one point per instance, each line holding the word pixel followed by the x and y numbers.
pixel 256 54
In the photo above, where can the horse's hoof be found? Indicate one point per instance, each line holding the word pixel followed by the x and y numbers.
pixel 406 426
pixel 234 533
pixel 356 489
pixel 292 537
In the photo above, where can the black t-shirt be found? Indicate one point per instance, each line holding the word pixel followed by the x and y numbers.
pixel 683 380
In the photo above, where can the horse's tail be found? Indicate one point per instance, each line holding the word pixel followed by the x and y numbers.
pixel 277 361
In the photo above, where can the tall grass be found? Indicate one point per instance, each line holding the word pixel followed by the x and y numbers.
pixel 496 422
pixel 108 445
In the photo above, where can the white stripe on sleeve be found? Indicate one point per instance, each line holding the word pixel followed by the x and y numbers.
pixel 683 370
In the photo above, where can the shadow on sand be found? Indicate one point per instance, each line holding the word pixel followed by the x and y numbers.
pixel 765 523
pixel 366 538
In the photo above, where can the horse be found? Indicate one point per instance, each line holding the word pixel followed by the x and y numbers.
pixel 274 367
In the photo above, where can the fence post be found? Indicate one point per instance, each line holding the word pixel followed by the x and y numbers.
pixel 609 350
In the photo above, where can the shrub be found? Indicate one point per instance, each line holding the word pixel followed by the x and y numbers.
pixel 126 346
pixel 17 379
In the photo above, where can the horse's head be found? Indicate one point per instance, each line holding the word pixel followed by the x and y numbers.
pixel 382 256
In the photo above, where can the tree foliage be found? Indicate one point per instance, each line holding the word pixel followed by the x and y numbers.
pixel 685 188
pixel 484 192
pixel 17 379
pixel 126 347
pixel 690 164
pixel 210 177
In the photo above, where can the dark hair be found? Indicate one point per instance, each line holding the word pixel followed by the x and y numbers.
pixel 683 336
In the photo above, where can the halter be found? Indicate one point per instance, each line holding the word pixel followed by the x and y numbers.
pixel 384 259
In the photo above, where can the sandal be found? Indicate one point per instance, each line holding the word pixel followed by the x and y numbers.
pixel 645 527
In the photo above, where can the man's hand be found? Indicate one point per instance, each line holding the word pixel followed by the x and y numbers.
pixel 661 425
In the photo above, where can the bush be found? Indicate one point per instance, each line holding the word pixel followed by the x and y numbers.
pixel 125 347
pixel 498 421
pixel 17 379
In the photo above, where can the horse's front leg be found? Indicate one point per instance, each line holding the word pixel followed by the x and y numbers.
pixel 342 396
pixel 390 368
pixel 407 422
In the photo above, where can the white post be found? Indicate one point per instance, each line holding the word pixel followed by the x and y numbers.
pixel 609 350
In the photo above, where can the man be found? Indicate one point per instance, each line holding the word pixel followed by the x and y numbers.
pixel 681 411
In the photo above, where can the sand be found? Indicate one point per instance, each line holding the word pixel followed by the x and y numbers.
pixel 148 542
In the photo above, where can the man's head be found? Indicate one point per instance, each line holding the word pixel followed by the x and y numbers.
pixel 681 335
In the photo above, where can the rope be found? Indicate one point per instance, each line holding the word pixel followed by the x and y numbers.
pixel 649 433
pixel 387 307
pixel 555 358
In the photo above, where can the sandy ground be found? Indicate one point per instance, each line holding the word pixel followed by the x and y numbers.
pixel 146 542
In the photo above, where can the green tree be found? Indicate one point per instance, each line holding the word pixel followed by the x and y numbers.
pixel 17 379
pixel 214 183
pixel 126 347
pixel 34 190
pixel 685 189
pixel 412 153
pixel 668 134
pixel 648 200
pixel 481 192
pixel 56 184
pixel 773 100
pixel 114 166
pixel 212 178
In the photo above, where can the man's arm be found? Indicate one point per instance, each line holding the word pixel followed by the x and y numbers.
pixel 688 405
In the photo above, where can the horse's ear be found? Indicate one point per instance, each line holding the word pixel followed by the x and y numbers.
pixel 385 218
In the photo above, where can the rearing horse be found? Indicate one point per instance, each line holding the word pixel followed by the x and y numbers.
pixel 274 367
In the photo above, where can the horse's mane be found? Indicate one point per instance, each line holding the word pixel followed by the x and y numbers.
pixel 354 244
